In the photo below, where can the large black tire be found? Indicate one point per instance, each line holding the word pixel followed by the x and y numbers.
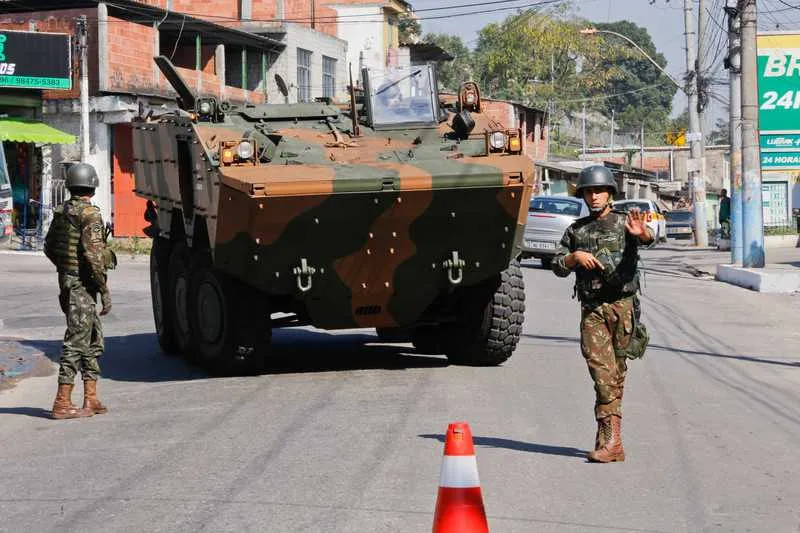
pixel 160 296
pixel 547 262
pixel 178 294
pixel 230 323
pixel 489 326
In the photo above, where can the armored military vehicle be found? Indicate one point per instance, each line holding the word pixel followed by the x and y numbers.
pixel 395 211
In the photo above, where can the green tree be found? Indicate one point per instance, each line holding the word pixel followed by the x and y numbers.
pixel 643 94
pixel 408 28
pixel 538 57
pixel 453 73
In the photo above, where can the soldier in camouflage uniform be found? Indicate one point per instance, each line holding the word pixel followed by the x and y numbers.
pixel 76 244
pixel 602 250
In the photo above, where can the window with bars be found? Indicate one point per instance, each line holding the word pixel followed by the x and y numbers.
pixel 303 75
pixel 328 76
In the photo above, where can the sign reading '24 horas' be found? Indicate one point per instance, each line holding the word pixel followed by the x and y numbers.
pixel 779 100
pixel 35 60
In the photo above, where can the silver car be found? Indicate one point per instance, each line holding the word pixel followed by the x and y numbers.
pixel 548 218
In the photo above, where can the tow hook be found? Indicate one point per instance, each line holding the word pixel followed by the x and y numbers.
pixel 455 268
pixel 304 274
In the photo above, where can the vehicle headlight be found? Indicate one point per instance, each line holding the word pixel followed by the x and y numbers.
pixel 244 150
pixel 205 108
pixel 497 140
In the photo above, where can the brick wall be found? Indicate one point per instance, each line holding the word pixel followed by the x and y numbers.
pixel 213 10
pixel 130 52
pixel 60 22
pixel 298 12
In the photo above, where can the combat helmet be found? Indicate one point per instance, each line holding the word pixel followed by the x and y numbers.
pixel 595 176
pixel 81 175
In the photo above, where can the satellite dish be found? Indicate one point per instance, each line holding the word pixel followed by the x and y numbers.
pixel 282 87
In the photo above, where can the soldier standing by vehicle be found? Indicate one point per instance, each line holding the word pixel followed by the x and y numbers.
pixel 602 250
pixel 76 244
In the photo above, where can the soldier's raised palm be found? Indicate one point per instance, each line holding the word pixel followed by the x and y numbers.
pixel 635 223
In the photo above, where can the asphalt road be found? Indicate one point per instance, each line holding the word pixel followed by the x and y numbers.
pixel 345 433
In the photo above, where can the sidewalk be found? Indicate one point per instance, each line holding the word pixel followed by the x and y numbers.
pixel 780 275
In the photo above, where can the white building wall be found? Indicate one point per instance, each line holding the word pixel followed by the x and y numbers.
pixel 364 40
pixel 319 44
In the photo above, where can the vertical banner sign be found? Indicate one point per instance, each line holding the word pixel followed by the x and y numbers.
pixel 35 60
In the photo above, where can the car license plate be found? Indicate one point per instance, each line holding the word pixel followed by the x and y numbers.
pixel 541 245
pixel 681 230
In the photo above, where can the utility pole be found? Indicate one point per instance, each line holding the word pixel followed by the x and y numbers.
pixel 613 113
pixel 583 131
pixel 752 210
pixel 83 50
pixel 696 179
pixel 641 148
pixel 734 65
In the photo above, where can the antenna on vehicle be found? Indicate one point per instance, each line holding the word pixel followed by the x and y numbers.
pixel 353 111
pixel 185 94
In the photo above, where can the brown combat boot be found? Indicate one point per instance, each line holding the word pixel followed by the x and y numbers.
pixel 611 450
pixel 62 406
pixel 90 401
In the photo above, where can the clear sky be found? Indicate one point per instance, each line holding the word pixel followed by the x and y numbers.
pixel 663 19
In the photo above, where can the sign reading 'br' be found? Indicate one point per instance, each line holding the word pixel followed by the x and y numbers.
pixel 35 60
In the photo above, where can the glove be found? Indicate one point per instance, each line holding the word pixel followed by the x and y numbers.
pixel 105 298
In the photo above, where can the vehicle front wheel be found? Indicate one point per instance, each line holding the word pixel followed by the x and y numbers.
pixel 488 328
pixel 231 324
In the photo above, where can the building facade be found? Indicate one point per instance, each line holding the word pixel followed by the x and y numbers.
pixel 209 43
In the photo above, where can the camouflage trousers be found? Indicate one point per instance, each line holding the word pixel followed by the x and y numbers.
pixel 605 327
pixel 83 340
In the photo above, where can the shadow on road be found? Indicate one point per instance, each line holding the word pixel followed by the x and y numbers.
pixel 33 412
pixel 516 445
pixel 139 358
pixel 739 357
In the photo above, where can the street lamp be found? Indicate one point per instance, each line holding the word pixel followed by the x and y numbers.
pixel 593 31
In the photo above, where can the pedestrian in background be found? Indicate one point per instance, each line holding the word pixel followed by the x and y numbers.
pixel 602 250
pixel 725 213
pixel 76 244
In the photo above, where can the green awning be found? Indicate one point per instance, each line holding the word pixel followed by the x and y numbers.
pixel 31 131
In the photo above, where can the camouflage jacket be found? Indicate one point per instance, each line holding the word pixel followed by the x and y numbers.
pixel 75 242
pixel 607 239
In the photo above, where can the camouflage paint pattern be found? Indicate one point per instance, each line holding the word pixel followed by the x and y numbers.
pixel 76 245
pixel 376 216
pixel 83 339
pixel 604 328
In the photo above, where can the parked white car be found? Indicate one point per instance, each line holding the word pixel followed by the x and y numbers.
pixel 548 219
pixel 654 217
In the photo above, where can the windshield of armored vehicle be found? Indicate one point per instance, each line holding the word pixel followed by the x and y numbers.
pixel 402 96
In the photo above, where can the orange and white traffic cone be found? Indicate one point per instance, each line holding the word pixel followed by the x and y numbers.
pixel 459 505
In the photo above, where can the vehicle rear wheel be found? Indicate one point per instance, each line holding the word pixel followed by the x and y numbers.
pixel 160 295
pixel 489 325
pixel 179 275
pixel 231 324
pixel 546 262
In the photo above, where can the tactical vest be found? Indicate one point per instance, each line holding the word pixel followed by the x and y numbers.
pixel 607 241
pixel 66 237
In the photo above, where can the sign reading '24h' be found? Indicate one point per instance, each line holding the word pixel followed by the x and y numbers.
pixel 779 100
pixel 35 60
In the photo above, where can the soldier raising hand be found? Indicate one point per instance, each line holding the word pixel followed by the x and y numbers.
pixel 602 250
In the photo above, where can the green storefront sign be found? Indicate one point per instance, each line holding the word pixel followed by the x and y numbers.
pixel 35 60
pixel 779 100
pixel 780 160
pixel 780 142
